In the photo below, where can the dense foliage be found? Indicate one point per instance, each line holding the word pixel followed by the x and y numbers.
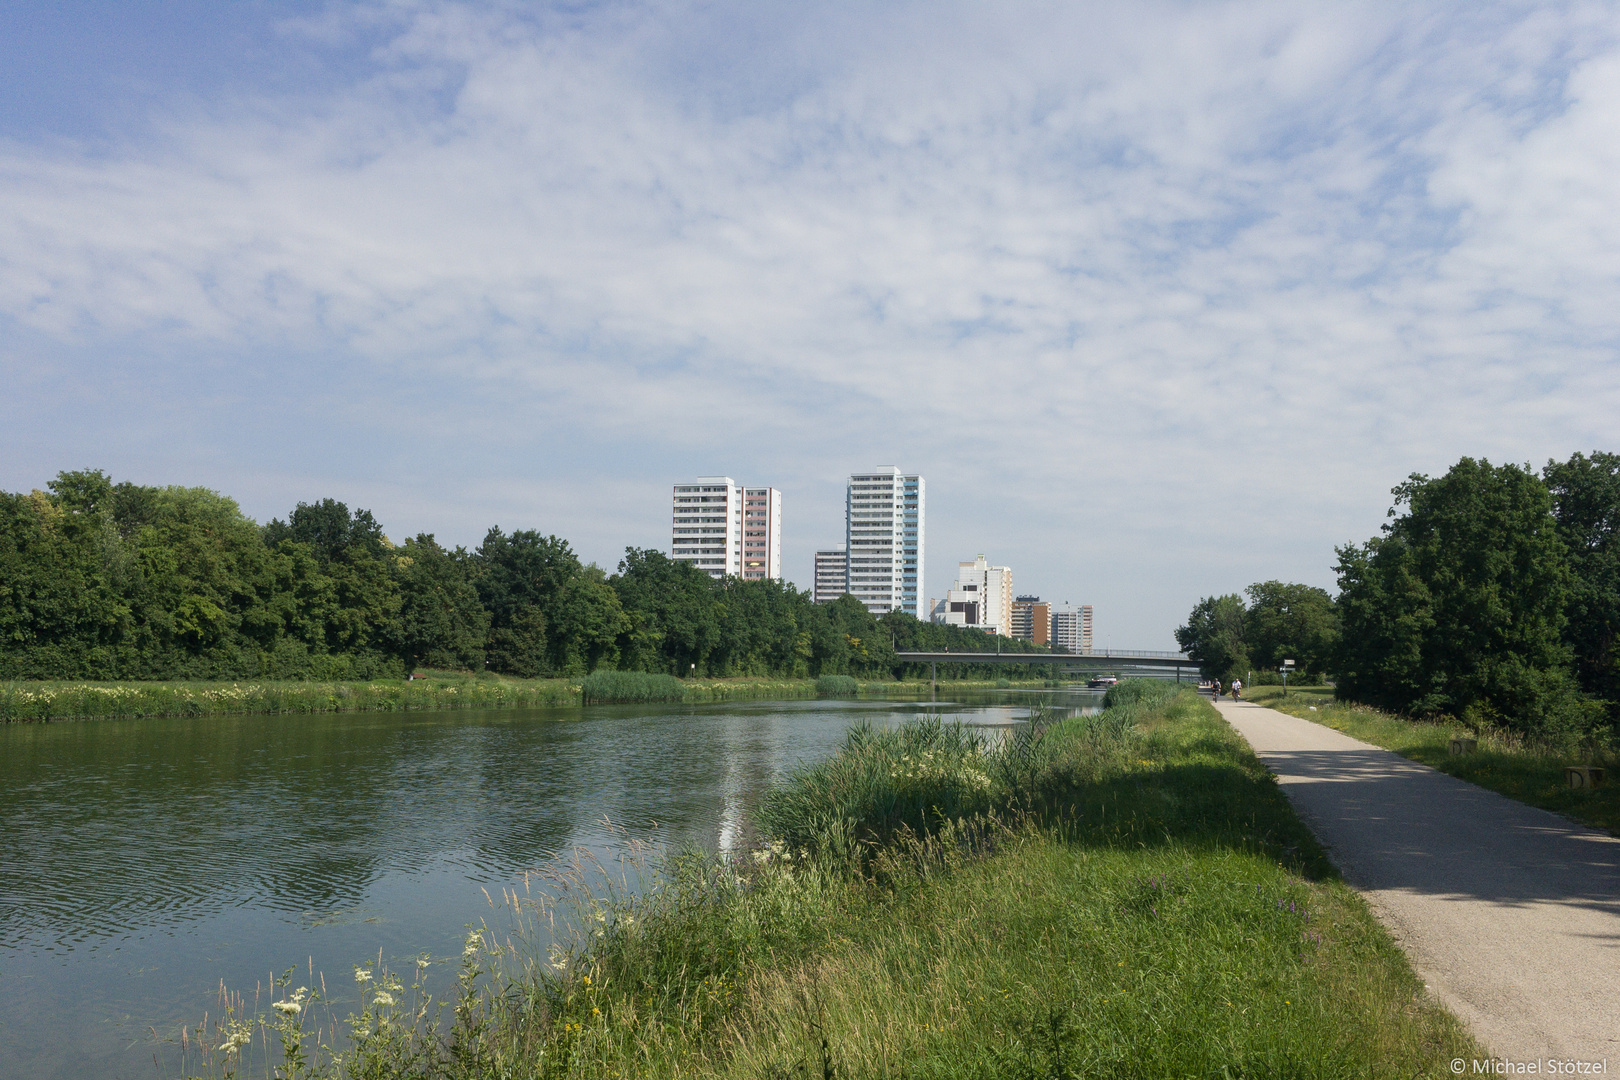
pixel 1281 622
pixel 103 580
pixel 1492 596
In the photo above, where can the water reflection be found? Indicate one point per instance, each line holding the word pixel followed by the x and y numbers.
pixel 147 860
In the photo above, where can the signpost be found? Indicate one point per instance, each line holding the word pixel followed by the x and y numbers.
pixel 1287 666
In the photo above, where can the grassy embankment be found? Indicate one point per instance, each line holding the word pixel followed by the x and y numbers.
pixel 1506 763
pixel 69 700
pixel 1127 896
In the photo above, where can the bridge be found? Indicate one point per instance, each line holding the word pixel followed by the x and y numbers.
pixel 1124 662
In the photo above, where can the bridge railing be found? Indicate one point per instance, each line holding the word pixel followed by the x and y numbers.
pixel 1156 654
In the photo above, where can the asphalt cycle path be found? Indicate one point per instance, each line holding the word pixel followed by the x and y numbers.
pixel 1510 914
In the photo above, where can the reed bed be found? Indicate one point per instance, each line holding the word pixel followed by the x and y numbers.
pixel 631 686
pixel 1125 895
pixel 837 686
pixel 43 701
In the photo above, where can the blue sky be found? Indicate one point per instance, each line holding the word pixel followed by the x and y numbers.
pixel 1161 298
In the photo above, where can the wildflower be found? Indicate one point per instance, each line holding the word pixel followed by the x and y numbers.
pixel 383 998
pixel 587 980
pixel 595 1011
pixel 287 1008
pixel 362 976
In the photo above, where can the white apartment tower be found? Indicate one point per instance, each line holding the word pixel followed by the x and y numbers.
pixel 1071 629
pixel 883 527
pixel 832 574
pixel 981 599
pixel 726 529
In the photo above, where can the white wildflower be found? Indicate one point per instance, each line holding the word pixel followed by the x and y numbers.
pixel 362 976
pixel 383 998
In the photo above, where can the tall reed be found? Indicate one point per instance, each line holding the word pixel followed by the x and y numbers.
pixel 631 686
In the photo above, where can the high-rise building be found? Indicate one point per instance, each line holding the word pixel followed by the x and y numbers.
pixel 884 513
pixel 832 574
pixel 1071 629
pixel 762 534
pixel 981 599
pixel 727 529
pixel 1032 620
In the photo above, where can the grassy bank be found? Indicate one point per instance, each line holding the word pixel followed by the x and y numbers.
pixel 40 701
pixel 43 700
pixel 1126 895
pixel 1518 768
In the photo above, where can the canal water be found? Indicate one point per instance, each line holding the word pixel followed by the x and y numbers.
pixel 143 862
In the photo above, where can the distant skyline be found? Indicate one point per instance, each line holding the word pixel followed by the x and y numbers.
pixel 1161 298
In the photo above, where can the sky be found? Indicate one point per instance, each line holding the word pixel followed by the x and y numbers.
pixel 1161 299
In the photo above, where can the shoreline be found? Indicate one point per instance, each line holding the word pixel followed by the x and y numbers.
pixel 49 701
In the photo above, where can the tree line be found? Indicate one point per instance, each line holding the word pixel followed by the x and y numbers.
pixel 1492 595
pixel 104 580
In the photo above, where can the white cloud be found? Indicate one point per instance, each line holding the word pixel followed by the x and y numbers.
pixel 1116 267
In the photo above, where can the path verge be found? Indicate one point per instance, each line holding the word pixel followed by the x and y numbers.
pixel 1509 912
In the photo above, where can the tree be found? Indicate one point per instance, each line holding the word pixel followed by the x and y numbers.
pixel 1459 608
pixel 1215 637
pixel 1290 622
pixel 442 623
pixel 590 620
pixel 519 579
pixel 1586 506
pixel 673 622
pixel 329 530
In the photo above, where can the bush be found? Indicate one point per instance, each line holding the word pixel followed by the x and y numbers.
pixel 879 783
pixel 631 686
pixel 1142 693
pixel 837 686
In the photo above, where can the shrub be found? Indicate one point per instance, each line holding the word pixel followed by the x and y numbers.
pixel 1143 693
pixel 880 782
pixel 631 686
pixel 837 685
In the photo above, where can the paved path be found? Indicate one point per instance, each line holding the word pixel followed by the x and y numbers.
pixel 1509 913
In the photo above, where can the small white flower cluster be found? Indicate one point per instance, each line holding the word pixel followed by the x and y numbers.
pixel 237 1035
pixel 777 852
pixel 293 1005
pixel 926 768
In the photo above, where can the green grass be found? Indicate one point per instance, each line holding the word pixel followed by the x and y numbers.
pixel 22 701
pixel 40 701
pixel 1127 895
pixel 1505 763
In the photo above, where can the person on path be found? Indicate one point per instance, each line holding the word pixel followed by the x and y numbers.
pixel 1237 689
pixel 1217 687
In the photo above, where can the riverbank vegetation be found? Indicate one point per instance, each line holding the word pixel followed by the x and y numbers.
pixel 1125 895
pixel 1491 599
pixel 105 581
pixel 41 701
pixel 1527 769
pixel 32 700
